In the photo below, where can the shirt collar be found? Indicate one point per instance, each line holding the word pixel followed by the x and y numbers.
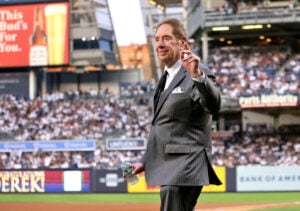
pixel 174 68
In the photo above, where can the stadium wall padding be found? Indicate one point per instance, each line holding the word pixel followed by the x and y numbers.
pixel 239 179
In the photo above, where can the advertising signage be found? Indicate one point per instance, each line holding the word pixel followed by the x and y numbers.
pixel 65 145
pixel 44 181
pixel 34 35
pixel 10 2
pixel 16 84
pixel 108 181
pixel 126 144
pixel 274 100
pixel 268 178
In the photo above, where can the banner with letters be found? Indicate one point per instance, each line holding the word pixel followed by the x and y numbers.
pixel 126 144
pixel 34 35
pixel 65 145
pixel 44 181
pixel 272 100
pixel 268 178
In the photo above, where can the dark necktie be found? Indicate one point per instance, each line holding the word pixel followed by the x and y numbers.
pixel 160 88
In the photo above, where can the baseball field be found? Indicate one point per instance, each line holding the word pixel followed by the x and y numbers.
pixel 287 201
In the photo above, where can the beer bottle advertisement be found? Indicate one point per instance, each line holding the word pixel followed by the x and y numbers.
pixel 38 54
pixel 34 35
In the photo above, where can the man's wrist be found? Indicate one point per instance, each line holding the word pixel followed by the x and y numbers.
pixel 200 77
pixel 197 74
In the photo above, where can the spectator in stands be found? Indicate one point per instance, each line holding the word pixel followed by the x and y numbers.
pixel 51 117
pixel 179 142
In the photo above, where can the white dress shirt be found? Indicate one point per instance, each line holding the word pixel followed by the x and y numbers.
pixel 172 71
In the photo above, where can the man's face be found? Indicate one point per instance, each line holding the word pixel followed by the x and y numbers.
pixel 168 47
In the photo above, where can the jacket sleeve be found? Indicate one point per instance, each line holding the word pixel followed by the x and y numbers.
pixel 207 92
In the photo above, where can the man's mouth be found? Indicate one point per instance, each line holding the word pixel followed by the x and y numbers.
pixel 162 53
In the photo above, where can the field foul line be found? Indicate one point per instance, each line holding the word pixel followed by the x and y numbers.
pixel 250 207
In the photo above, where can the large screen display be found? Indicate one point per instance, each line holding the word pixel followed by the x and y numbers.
pixel 16 84
pixel 48 181
pixel 7 2
pixel 34 35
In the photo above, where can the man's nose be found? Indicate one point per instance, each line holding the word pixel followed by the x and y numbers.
pixel 160 44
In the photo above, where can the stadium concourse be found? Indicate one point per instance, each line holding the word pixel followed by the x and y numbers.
pixel 101 114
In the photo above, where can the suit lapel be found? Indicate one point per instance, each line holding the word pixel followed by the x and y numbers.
pixel 164 95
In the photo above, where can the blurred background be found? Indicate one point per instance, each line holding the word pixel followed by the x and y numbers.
pixel 77 79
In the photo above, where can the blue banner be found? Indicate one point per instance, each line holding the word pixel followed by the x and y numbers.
pixel 65 145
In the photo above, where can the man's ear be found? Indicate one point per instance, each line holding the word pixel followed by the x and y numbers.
pixel 183 44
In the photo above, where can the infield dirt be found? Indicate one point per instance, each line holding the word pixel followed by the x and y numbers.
pixel 133 206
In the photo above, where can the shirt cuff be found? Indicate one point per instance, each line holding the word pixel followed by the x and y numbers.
pixel 200 79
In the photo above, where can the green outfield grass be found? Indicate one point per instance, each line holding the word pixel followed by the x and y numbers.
pixel 152 198
pixel 280 197
pixel 296 208
pixel 250 197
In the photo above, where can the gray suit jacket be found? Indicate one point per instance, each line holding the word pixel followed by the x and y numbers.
pixel 179 144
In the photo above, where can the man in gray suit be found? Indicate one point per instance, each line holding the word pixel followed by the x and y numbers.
pixel 179 147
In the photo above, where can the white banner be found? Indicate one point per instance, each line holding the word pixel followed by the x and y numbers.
pixel 126 144
pixel 268 178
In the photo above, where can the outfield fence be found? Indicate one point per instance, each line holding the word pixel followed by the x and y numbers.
pixel 238 179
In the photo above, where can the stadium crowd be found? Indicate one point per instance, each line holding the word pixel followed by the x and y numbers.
pixel 56 117
pixel 264 150
pixel 100 114
pixel 231 7
pixel 252 71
